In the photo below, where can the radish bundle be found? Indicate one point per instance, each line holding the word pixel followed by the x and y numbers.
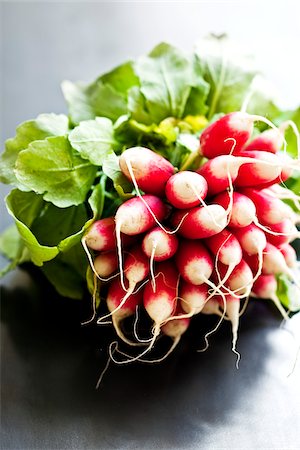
pixel 159 195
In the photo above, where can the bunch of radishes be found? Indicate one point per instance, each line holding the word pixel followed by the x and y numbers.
pixel 202 240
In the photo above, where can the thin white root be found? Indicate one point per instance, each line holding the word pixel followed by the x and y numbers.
pixel 152 361
pixel 152 266
pixel 121 304
pixel 233 308
pixel 136 358
pixel 260 266
pixel 89 256
pixel 116 323
pixel 93 302
pixel 202 202
pixel 119 247
pixel 106 365
pixel 279 306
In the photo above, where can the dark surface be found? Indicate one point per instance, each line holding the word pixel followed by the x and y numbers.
pixel 49 362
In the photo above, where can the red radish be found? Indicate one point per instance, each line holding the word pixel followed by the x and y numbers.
pixel 115 296
pixel 159 245
pixel 269 141
pixel 161 303
pixel 225 247
pixel 289 254
pixel 199 222
pixel 286 232
pixel 151 171
pixel 269 209
pixel 133 217
pixel 216 140
pixel 265 168
pixel 243 210
pixel 220 172
pixel 193 298
pixel 136 269
pixel 236 127
pixel 274 263
pixel 253 242
pixel 106 264
pixel 186 189
pixel 265 287
pixel 194 262
pixel 101 235
pixel 240 280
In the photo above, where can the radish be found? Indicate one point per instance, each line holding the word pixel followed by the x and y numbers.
pixel 150 170
pixel 192 298
pixel 274 263
pixel 285 233
pixel 217 138
pixel 214 139
pixel 220 172
pixel 159 245
pixel 106 264
pixel 194 262
pixel 240 280
pixel 269 209
pixel 133 218
pixel 115 296
pixel 161 303
pixel 253 242
pixel 186 189
pixel 269 141
pixel 243 211
pixel 101 235
pixel 289 254
pixel 265 287
pixel 199 222
pixel 265 168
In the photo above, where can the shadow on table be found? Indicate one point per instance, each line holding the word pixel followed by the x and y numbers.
pixel 50 366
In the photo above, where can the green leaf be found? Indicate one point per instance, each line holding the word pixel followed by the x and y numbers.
pixel 105 97
pixel 24 207
pixel 43 126
pixel 288 293
pixel 137 106
pixel 111 168
pixel 52 168
pixel 13 248
pixel 290 136
pixel 228 74
pixel 165 78
pixel 196 102
pixel 63 274
pixel 93 139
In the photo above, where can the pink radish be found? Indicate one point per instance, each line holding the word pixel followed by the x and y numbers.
pixel 194 262
pixel 237 127
pixel 106 264
pixel 214 140
pixel 133 217
pixel 101 235
pixel 253 242
pixel 159 245
pixel 193 298
pixel 151 171
pixel 269 141
pixel 186 189
pixel 199 222
pixel 243 210
pixel 269 209
pixel 161 303
pixel 289 254
pixel 220 172
pixel 115 296
pixel 240 280
pixel 265 287
pixel 265 168
pixel 274 263
pixel 286 230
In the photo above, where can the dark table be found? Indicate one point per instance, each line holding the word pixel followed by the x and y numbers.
pixel 50 364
